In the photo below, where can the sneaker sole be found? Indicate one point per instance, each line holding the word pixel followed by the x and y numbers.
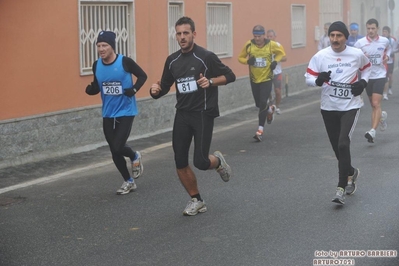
pixel 336 200
pixel 354 183
pixel 353 192
pixel 223 162
pixel 258 139
pixel 269 121
pixel 202 210
pixel 369 138
pixel 126 192
pixel 141 167
pixel 141 172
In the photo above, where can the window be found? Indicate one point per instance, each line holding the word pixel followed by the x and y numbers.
pixel 219 29
pixel 104 15
pixel 330 11
pixel 175 12
pixel 298 26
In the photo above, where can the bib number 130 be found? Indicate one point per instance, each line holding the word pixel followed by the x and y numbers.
pixel 340 92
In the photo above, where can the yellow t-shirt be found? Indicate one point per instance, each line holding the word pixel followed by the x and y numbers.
pixel 260 71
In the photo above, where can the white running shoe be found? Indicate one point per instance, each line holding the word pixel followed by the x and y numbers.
pixel 278 111
pixel 390 91
pixel 224 169
pixel 383 121
pixel 137 166
pixel 126 188
pixel 385 97
pixel 194 206
pixel 270 114
pixel 370 135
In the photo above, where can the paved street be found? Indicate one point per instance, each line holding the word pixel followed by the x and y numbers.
pixel 275 211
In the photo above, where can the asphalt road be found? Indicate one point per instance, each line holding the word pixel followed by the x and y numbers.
pixel 276 209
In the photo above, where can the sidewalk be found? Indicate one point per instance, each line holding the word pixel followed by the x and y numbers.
pixel 11 176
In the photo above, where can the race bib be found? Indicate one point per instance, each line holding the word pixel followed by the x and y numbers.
pixel 340 90
pixel 186 85
pixel 375 59
pixel 260 62
pixel 112 88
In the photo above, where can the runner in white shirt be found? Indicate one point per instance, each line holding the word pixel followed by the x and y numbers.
pixel 324 40
pixel 277 72
pixel 336 69
pixel 386 32
pixel 377 49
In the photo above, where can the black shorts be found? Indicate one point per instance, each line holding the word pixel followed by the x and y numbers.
pixel 390 68
pixel 189 125
pixel 375 86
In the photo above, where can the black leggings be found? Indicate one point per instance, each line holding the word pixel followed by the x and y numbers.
pixel 186 126
pixel 261 92
pixel 116 132
pixel 340 126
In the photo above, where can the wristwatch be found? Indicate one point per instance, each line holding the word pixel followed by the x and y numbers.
pixel 210 82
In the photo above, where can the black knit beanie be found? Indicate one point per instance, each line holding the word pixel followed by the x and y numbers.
pixel 108 37
pixel 339 26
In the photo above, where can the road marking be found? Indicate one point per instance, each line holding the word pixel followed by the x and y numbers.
pixel 55 177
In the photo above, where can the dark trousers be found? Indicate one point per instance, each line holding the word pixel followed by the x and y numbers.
pixel 189 125
pixel 261 92
pixel 116 132
pixel 340 126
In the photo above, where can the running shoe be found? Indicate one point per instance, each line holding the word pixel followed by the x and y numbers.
pixel 126 188
pixel 339 196
pixel 194 206
pixel 258 135
pixel 390 91
pixel 270 115
pixel 351 187
pixel 370 135
pixel 137 166
pixel 278 111
pixel 385 97
pixel 224 169
pixel 383 121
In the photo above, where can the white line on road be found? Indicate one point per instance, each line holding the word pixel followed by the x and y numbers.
pixel 55 177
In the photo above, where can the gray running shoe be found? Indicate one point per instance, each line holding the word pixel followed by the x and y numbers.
pixel 383 122
pixel 194 206
pixel 370 135
pixel 137 166
pixel 270 116
pixel 224 169
pixel 339 196
pixel 126 188
pixel 258 135
pixel 351 187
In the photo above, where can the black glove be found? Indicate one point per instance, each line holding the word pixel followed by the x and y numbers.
pixel 323 77
pixel 92 89
pixel 273 65
pixel 251 61
pixel 358 87
pixel 130 92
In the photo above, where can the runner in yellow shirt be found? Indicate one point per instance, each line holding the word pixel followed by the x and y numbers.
pixel 258 54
